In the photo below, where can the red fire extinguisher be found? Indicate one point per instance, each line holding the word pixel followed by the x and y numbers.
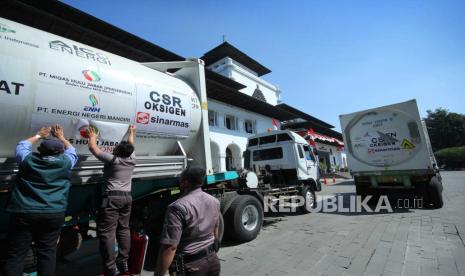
pixel 139 243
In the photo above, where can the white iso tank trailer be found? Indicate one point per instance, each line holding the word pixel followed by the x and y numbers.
pixel 389 137
pixel 388 150
pixel 47 79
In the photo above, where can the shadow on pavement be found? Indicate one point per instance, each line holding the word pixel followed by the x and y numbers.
pixel 85 261
pixel 229 243
pixel 343 183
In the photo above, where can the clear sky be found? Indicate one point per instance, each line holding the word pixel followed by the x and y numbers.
pixel 328 57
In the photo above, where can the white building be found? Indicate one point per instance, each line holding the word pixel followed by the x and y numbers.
pixel 328 141
pixel 331 152
pixel 244 104
pixel 254 85
pixel 231 122
pixel 240 101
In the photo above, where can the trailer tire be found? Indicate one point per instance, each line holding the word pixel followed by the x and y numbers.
pixel 310 200
pixel 70 241
pixel 365 191
pixel 244 218
pixel 361 191
pixel 434 193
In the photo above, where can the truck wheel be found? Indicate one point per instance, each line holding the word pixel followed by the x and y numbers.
pixel 70 241
pixel 244 218
pixel 310 200
pixel 434 192
pixel 361 191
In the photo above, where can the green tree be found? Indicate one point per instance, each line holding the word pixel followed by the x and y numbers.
pixel 453 158
pixel 446 129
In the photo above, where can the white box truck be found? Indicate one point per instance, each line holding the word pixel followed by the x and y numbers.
pixel 388 150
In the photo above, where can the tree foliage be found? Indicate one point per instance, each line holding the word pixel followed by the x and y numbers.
pixel 446 129
pixel 452 158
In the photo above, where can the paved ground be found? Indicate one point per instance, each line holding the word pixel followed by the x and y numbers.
pixel 406 242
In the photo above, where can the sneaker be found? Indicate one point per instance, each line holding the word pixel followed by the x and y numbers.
pixel 123 268
pixel 110 273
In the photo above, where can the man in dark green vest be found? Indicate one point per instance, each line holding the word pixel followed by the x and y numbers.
pixel 38 201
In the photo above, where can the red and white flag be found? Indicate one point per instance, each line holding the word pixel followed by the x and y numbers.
pixel 311 135
pixel 275 124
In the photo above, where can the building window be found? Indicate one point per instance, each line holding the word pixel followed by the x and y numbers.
pixel 249 126
pixel 230 122
pixel 212 118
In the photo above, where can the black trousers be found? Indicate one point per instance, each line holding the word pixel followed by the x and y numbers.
pixel 44 230
pixel 113 221
pixel 207 266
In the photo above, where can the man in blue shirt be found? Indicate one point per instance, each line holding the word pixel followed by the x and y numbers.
pixel 38 201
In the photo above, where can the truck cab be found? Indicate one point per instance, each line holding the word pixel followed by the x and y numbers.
pixel 285 157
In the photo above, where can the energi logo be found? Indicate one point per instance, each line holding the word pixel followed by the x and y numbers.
pixel 78 51
pixel 83 131
pixel 91 75
pixel 94 102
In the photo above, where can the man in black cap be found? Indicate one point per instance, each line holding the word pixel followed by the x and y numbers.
pixel 38 201
pixel 190 230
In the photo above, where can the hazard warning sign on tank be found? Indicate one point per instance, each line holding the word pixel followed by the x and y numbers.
pixel 406 144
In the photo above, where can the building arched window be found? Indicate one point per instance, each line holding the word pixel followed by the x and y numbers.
pixel 229 159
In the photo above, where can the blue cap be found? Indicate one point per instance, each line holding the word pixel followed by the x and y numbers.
pixel 51 146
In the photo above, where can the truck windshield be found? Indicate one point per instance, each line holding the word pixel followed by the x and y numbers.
pixel 268 154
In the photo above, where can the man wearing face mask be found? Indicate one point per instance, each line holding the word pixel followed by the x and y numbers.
pixel 190 230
